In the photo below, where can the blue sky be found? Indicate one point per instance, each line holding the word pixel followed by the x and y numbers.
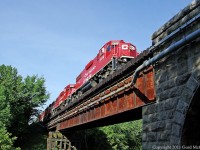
pixel 56 39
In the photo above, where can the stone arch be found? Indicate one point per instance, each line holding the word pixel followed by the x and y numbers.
pixel 189 96
pixel 191 132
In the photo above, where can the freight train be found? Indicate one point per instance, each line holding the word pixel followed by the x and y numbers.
pixel 110 57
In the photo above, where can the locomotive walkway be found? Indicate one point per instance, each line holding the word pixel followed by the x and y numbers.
pixel 160 86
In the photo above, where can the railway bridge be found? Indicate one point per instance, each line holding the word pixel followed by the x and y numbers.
pixel 161 86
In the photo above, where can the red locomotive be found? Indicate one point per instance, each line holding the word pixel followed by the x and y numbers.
pixel 105 62
pixel 108 59
pixel 66 93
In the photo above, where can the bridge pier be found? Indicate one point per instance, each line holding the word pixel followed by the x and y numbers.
pixel 57 140
pixel 164 122
pixel 173 121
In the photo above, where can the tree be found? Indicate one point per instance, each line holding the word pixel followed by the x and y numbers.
pixel 20 98
pixel 6 142
pixel 4 108
pixel 124 136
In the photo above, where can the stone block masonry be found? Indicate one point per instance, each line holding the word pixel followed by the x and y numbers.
pixel 177 78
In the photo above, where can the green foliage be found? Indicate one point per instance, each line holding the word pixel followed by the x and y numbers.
pixel 19 100
pixel 124 136
pixel 4 108
pixel 37 138
pixel 95 139
pixel 6 141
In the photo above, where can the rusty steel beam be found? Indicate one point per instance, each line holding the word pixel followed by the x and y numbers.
pixel 119 98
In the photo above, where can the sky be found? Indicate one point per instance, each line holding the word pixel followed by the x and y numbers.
pixel 55 39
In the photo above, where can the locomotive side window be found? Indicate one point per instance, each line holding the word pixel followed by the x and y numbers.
pixel 108 48
pixel 101 51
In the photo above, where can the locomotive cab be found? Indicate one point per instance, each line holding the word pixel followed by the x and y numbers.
pixel 127 50
pixel 118 49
